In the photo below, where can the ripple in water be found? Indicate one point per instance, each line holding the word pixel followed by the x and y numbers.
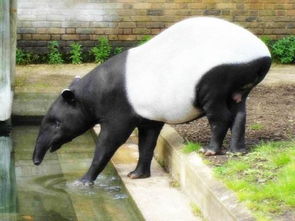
pixel 102 185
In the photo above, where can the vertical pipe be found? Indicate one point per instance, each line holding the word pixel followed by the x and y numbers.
pixel 5 58
pixel 13 39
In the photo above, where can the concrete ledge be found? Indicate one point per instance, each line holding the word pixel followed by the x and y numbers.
pixel 155 197
pixel 196 179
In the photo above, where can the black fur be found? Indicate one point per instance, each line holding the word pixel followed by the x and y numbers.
pixel 214 96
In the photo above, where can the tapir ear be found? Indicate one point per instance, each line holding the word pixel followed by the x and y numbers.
pixel 68 95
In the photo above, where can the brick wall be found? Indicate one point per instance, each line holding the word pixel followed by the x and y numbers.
pixel 127 21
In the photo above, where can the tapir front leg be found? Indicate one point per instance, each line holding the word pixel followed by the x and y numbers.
pixel 148 135
pixel 111 137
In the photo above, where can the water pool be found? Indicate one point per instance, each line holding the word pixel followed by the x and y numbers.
pixel 48 193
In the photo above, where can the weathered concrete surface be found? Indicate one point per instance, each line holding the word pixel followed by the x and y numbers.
pixel 154 196
pixel 280 74
pixel 196 180
pixel 37 86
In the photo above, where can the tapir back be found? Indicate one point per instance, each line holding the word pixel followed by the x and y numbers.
pixel 162 74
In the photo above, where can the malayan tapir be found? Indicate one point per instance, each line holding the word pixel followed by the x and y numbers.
pixel 201 66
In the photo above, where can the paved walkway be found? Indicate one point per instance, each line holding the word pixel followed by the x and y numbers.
pixel 53 78
pixel 280 74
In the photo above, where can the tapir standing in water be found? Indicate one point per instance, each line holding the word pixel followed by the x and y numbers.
pixel 198 67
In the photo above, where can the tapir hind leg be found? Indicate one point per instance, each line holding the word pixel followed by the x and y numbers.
pixel 113 134
pixel 237 143
pixel 219 117
pixel 148 135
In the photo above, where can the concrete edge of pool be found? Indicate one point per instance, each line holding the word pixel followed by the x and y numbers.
pixel 155 197
pixel 196 180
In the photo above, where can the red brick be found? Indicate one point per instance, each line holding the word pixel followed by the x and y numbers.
pixel 71 30
pixel 40 36
pixel 127 37
pixel 55 37
pixel 70 37
pixel 27 36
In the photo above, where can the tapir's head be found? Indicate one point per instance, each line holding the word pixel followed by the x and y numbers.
pixel 65 120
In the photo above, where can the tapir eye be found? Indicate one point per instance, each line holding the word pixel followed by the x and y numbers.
pixel 57 124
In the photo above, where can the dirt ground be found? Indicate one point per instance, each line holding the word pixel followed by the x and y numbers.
pixel 270 112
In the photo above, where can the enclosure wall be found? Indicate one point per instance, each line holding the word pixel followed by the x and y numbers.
pixel 126 21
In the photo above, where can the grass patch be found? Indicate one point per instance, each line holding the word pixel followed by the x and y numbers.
pixel 174 183
pixel 196 210
pixel 264 179
pixel 256 126
pixel 191 147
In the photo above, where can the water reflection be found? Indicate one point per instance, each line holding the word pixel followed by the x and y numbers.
pixel 48 192
pixel 7 178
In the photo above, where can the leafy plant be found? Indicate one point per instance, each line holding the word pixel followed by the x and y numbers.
pixel 256 126
pixel 190 147
pixel 284 50
pixel 117 50
pixel 102 51
pixel 54 56
pixel 267 40
pixel 76 53
pixel 23 57
pixel 144 39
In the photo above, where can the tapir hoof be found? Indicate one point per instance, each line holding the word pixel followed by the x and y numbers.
pixel 208 152
pixel 137 175
pixel 237 152
pixel 83 182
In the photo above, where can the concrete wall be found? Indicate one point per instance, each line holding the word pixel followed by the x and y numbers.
pixel 126 21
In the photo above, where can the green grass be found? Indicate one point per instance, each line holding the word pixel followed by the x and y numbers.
pixel 264 179
pixel 196 210
pixel 191 147
pixel 256 126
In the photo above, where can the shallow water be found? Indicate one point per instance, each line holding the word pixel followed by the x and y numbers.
pixel 49 191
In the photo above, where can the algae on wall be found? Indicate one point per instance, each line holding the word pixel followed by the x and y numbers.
pixel 7 180
pixel 7 55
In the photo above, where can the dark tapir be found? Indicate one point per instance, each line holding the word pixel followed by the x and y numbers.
pixel 198 67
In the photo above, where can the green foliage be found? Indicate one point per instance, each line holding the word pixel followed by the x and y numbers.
pixel 190 147
pixel 76 53
pixel 267 40
pixel 102 51
pixel 118 50
pixel 256 126
pixel 196 210
pixel 284 50
pixel 264 179
pixel 23 57
pixel 145 39
pixel 54 56
pixel 174 183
